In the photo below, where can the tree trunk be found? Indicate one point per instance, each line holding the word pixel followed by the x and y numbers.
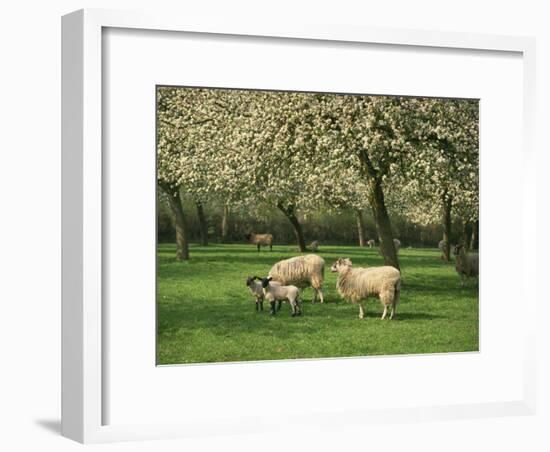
pixel 203 227
pixel 475 235
pixel 467 230
pixel 225 223
pixel 296 226
pixel 378 205
pixel 360 226
pixel 383 224
pixel 447 206
pixel 182 243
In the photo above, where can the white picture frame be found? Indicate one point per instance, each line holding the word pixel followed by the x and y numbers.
pixel 83 344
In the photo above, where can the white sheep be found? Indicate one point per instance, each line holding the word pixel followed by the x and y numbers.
pixel 357 284
pixel 371 243
pixel 256 290
pixel 275 292
pixel 467 265
pixel 314 246
pixel 261 240
pixel 301 271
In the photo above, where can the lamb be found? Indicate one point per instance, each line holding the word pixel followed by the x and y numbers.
pixel 467 265
pixel 371 243
pixel 356 284
pixel 314 246
pixel 301 271
pixel 261 240
pixel 256 290
pixel 275 292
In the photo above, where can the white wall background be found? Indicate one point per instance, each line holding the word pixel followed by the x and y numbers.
pixel 30 226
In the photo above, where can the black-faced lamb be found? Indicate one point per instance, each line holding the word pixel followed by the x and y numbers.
pixel 261 240
pixel 278 293
pixel 254 284
pixel 301 271
pixel 467 265
pixel 357 284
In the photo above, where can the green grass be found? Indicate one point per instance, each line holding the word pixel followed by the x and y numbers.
pixel 206 313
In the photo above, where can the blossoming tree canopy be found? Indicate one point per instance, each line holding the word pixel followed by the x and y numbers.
pixel 302 152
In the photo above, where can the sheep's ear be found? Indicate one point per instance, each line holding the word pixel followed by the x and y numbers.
pixel 269 278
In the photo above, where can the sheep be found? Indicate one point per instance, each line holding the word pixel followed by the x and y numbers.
pixel 261 240
pixel 256 290
pixel 301 271
pixel 467 265
pixel 356 284
pixel 396 244
pixel 275 292
pixel 314 246
pixel 371 243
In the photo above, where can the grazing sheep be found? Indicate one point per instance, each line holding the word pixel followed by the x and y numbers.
pixel 256 290
pixel 275 292
pixel 356 284
pixel 301 271
pixel 261 240
pixel 467 265
pixel 314 246
pixel 396 244
pixel 371 243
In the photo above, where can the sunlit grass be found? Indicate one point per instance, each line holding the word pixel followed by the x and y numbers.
pixel 206 313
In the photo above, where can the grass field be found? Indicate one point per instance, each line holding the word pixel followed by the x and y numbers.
pixel 206 313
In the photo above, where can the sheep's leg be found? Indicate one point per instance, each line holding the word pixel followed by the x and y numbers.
pixel 270 247
pixel 261 305
pixel 462 280
pixel 279 303
pixel 293 305
pixel 258 247
pixel 361 310
pixel 393 307
pixel 257 305
pixel 314 295
pixel 321 295
pixel 385 312
pixel 272 310
pixel 297 308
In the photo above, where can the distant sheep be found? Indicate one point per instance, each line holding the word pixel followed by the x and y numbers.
pixel 396 244
pixel 371 243
pixel 301 271
pixel 314 246
pixel 467 265
pixel 256 290
pixel 357 284
pixel 274 292
pixel 261 240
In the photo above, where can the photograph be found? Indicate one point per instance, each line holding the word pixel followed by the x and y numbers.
pixel 308 225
